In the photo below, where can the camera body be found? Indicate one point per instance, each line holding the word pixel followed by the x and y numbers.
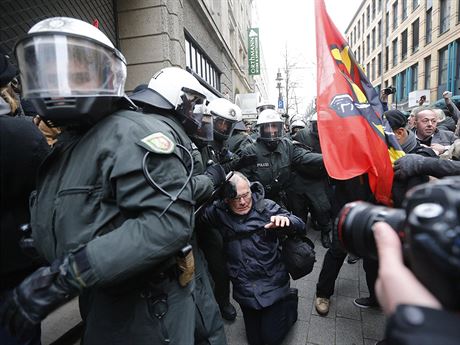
pixel 389 90
pixel 429 229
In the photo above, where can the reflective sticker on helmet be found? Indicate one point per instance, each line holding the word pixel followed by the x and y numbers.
pixel 158 143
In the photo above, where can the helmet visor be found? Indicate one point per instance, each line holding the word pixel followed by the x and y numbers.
pixel 223 127
pixel 186 103
pixel 271 131
pixel 261 108
pixel 65 66
pixel 204 131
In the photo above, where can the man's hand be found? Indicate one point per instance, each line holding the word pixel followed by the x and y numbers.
pixel 246 161
pixel 447 94
pixel 439 149
pixel 383 96
pixel 39 294
pixel 216 173
pixel 408 165
pixel 396 284
pixel 277 222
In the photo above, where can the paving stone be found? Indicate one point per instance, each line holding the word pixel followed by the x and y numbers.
pixel 347 287
pixel 304 309
pixel 346 308
pixel 368 341
pixel 307 288
pixel 235 331
pixel 373 323
pixel 321 331
pixel 297 334
pixel 348 332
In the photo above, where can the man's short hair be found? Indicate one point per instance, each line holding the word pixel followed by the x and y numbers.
pixel 418 110
pixel 230 188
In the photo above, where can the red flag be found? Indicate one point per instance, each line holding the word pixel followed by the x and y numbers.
pixel 355 138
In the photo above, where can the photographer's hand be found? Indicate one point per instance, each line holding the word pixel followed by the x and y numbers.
pixel 396 284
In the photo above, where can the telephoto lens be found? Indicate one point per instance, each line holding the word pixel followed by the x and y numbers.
pixel 354 226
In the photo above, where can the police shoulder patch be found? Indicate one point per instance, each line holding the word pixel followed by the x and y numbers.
pixel 158 143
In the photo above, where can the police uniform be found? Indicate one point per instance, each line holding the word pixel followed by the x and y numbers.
pixel 92 193
pixel 273 168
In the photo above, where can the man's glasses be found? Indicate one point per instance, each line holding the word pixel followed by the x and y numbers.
pixel 245 196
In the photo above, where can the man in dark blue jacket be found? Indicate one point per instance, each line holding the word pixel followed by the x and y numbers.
pixel 251 227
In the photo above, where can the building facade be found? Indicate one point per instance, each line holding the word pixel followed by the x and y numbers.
pixel 207 37
pixel 412 45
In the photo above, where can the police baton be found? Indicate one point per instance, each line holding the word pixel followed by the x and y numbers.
pixel 214 193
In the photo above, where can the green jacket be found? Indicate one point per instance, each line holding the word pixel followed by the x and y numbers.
pixel 91 191
pixel 273 168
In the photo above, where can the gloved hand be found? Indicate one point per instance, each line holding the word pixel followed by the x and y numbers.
pixel 246 161
pixel 216 173
pixel 408 166
pixel 40 293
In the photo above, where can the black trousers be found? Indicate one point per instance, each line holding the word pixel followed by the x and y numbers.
pixel 333 261
pixel 269 326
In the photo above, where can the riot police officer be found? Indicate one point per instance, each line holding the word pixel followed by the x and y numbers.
pixel 276 156
pixel 110 237
pixel 164 99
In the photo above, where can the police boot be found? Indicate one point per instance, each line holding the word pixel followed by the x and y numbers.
pixel 228 312
pixel 325 239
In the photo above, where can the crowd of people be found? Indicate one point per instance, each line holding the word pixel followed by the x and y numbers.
pixel 149 206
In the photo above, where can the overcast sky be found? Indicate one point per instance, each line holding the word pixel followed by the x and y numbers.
pixel 291 23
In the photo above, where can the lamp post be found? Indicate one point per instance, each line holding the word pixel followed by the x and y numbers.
pixel 279 79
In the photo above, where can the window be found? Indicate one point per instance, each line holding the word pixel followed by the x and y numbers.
pixel 373 9
pixel 373 69
pixel 427 67
pixel 429 25
pixel 359 54
pixel 354 35
pixel 415 4
pixel 415 36
pixel 379 64
pixel 379 35
pixel 368 71
pixel 445 15
pixel 373 39
pixel 413 82
pixel 387 25
pixel 368 15
pixel 379 5
pixel 359 29
pixel 200 63
pixel 368 46
pixel 403 84
pixel 395 52
pixel 404 45
pixel 387 57
pixel 443 63
pixel 404 9
pixel 395 15
pixel 458 11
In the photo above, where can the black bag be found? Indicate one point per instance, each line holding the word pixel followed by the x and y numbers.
pixel 298 254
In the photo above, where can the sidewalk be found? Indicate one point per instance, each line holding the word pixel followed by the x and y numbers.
pixel 344 325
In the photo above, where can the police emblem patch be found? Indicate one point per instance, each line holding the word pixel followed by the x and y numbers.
pixel 158 143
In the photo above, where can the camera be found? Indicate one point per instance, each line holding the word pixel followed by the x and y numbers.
pixel 389 90
pixel 428 227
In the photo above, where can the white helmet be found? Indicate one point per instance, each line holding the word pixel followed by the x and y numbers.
pixel 270 125
pixel 225 114
pixel 175 89
pixel 314 117
pixel 70 70
pixel 263 105
pixel 296 124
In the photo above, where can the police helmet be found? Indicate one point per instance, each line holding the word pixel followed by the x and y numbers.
pixel 296 125
pixel 264 104
pixel 70 71
pixel 225 115
pixel 181 91
pixel 270 125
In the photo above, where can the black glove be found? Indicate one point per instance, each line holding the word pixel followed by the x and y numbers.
pixel 408 166
pixel 216 173
pixel 246 161
pixel 39 294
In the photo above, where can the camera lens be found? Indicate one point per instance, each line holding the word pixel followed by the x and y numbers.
pixel 354 226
